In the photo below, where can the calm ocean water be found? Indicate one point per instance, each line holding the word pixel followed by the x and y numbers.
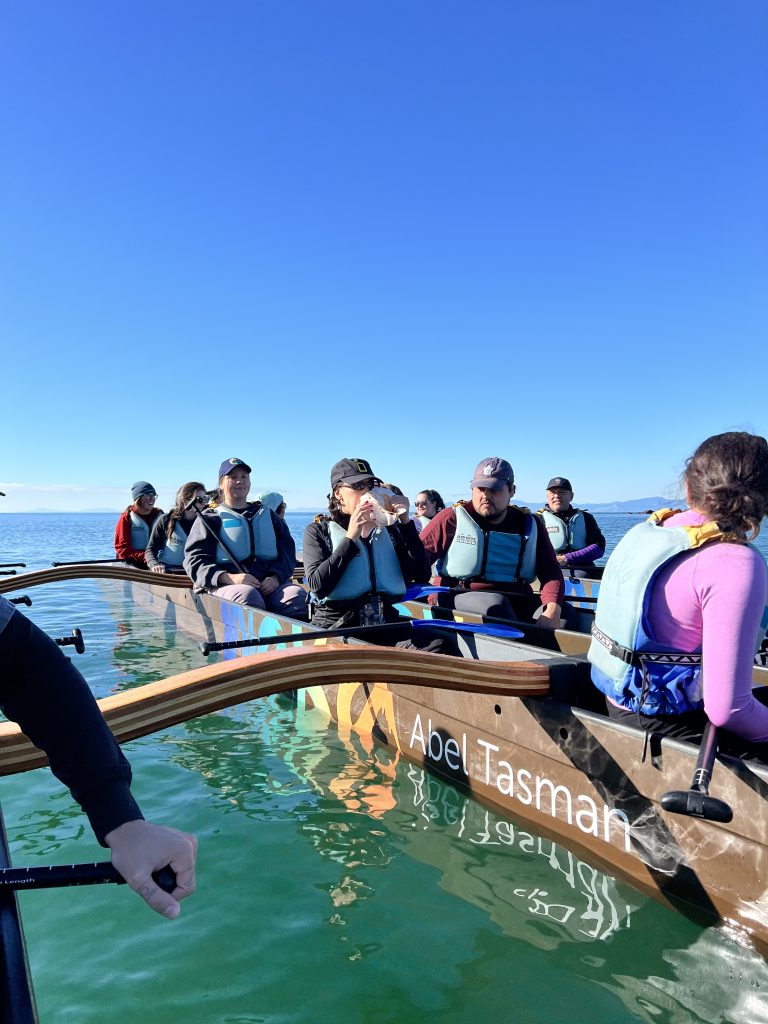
pixel 335 885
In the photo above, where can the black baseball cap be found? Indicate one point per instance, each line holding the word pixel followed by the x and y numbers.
pixel 350 471
pixel 229 464
pixel 559 481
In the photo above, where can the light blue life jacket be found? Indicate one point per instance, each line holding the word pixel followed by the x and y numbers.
pixel 140 532
pixel 376 570
pixel 490 555
pixel 172 552
pixel 628 665
pixel 566 536
pixel 246 537
pixel 423 520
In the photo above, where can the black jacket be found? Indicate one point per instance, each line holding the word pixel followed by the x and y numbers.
pixel 325 567
pixel 201 551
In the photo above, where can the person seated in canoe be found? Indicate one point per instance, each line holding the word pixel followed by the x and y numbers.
pixel 44 693
pixel 689 584
pixel 273 500
pixel 135 524
pixel 489 552
pixel 165 551
pixel 574 532
pixel 359 558
pixel 242 551
pixel 427 504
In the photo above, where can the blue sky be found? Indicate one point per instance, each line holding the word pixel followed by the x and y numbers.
pixel 418 232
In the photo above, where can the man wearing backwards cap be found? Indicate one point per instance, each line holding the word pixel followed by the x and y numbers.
pixel 253 560
pixel 574 532
pixel 490 552
pixel 135 525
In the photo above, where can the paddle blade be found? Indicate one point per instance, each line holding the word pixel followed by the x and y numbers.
pixel 468 627
pixel 417 590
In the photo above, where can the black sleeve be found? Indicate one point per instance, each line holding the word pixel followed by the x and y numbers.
pixel 413 559
pixel 43 691
pixel 156 540
pixel 323 566
pixel 200 553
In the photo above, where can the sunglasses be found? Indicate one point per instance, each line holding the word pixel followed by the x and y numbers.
pixel 420 504
pixel 361 485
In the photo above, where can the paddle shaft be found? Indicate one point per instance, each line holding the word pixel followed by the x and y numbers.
pixel 284 638
pixel 510 632
pixel 62 875
pixel 705 762
pixel 192 506
pixel 87 561
pixel 13 565
pixel 24 599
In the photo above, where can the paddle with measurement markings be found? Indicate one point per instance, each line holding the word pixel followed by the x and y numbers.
pixel 62 875
pixel 507 632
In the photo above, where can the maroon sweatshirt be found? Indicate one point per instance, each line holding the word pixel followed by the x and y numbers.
pixel 437 536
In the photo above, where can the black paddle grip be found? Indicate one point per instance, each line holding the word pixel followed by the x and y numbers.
pixel 165 878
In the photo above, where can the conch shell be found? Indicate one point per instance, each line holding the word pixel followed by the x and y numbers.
pixel 382 502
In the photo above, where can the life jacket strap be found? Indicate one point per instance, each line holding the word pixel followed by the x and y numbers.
pixel 638 660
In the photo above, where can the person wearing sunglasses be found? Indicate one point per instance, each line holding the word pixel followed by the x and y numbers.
pixel 165 551
pixel 135 524
pixel 360 557
pixel 252 534
pixel 427 504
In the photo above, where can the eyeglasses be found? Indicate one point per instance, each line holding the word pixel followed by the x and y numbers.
pixel 361 485
pixel 420 504
pixel 200 501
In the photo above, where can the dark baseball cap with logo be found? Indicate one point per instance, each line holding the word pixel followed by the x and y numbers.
pixel 351 471
pixel 559 481
pixel 493 474
pixel 229 464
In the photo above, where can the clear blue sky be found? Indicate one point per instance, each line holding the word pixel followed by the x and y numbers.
pixel 418 232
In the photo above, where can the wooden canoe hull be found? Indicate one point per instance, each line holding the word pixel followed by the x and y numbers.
pixel 573 775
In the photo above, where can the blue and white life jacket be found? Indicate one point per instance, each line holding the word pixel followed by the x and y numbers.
pixel 376 570
pixel 140 532
pixel 172 552
pixel 424 520
pixel 628 665
pixel 566 536
pixel 490 555
pixel 247 537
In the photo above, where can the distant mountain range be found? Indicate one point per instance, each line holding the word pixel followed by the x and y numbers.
pixel 634 505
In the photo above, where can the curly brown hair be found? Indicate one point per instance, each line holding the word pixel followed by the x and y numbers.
pixel 727 478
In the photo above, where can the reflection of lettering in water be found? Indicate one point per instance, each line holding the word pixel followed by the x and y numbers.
pixel 519 784
pixel 605 911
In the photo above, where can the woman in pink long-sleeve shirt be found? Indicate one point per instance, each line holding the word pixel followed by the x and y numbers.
pixel 713 599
